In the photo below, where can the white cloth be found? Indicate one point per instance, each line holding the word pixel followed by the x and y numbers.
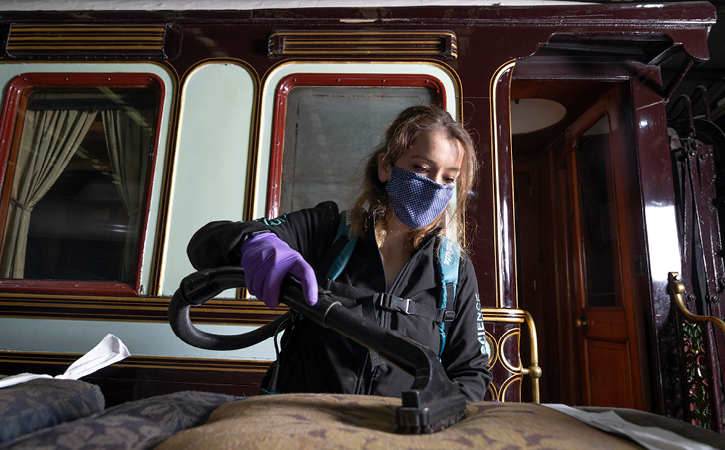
pixel 110 350
pixel 651 438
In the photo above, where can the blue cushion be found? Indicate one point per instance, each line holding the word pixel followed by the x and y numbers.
pixel 37 404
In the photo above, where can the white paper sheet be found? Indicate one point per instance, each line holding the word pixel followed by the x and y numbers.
pixel 651 438
pixel 107 352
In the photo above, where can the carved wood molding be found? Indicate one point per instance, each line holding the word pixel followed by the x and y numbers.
pixel 364 43
pixel 86 40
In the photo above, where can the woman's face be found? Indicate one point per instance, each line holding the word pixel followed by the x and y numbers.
pixel 433 155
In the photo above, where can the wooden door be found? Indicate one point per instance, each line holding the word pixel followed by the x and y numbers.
pixel 604 246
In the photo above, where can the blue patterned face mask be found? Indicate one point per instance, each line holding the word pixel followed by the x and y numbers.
pixel 417 200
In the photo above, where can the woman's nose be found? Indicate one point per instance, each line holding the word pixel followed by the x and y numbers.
pixel 436 176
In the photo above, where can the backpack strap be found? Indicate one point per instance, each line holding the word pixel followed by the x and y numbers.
pixel 342 246
pixel 449 258
pixel 391 302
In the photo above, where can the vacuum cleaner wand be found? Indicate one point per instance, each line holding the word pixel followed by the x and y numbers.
pixel 431 404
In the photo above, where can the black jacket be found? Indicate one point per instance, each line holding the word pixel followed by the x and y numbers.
pixel 317 359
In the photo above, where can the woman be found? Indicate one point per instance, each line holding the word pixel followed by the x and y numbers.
pixel 395 246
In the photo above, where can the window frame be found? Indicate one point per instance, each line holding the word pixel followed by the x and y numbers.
pixel 16 96
pixel 279 118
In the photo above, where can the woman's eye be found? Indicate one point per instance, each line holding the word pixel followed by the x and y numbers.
pixel 420 169
pixel 449 180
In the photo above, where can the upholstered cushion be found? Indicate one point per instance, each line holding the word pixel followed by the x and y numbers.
pixel 134 425
pixel 38 404
pixel 315 421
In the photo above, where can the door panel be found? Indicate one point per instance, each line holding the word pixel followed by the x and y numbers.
pixel 609 369
pixel 605 324
pixel 603 247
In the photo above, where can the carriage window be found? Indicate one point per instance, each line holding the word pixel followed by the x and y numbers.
pixel 329 131
pixel 599 230
pixel 76 184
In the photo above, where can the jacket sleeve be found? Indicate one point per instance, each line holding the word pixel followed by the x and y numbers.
pixel 219 243
pixel 466 352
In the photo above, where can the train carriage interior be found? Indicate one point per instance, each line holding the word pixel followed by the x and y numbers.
pixel 594 223
pixel 546 171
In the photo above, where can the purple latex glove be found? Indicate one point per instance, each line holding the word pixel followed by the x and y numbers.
pixel 266 259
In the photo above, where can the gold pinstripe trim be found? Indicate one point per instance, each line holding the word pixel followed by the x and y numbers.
pixel 364 33
pixel 503 315
pixel 433 43
pixel 498 244
pixel 515 334
pixel 493 391
pixel 83 28
pixel 90 302
pixel 366 42
pixel 169 179
pixel 91 38
pixel 30 39
pixel 493 358
pixel 454 98
pixel 499 319
pixel 140 361
pixel 82 47
pixel 359 52
pixel 507 384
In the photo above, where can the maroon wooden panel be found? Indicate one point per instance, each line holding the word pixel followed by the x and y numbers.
pixel 663 255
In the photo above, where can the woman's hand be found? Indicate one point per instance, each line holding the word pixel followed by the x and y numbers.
pixel 266 260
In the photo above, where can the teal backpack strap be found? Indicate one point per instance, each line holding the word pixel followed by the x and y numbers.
pixel 343 230
pixel 449 258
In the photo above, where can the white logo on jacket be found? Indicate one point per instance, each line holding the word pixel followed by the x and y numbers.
pixel 485 346
pixel 448 258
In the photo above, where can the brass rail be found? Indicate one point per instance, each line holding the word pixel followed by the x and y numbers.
pixel 677 288
pixel 534 370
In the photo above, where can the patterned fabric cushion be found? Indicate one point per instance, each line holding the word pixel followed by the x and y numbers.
pixel 324 421
pixel 134 425
pixel 174 412
pixel 38 404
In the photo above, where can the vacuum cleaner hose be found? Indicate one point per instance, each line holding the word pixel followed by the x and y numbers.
pixel 197 289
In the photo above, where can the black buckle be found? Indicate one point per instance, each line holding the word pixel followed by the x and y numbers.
pixel 383 299
pixel 391 302
pixel 449 316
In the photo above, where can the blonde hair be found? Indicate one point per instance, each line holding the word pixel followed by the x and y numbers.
pixel 399 137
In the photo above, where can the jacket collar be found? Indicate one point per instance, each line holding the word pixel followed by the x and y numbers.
pixel 369 235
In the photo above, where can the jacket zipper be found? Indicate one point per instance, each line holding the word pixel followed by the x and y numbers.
pixel 385 315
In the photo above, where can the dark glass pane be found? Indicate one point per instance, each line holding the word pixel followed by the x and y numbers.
pixel 328 133
pixel 598 213
pixel 79 186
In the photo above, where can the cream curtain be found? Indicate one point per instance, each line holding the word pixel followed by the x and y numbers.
pixel 48 142
pixel 129 138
